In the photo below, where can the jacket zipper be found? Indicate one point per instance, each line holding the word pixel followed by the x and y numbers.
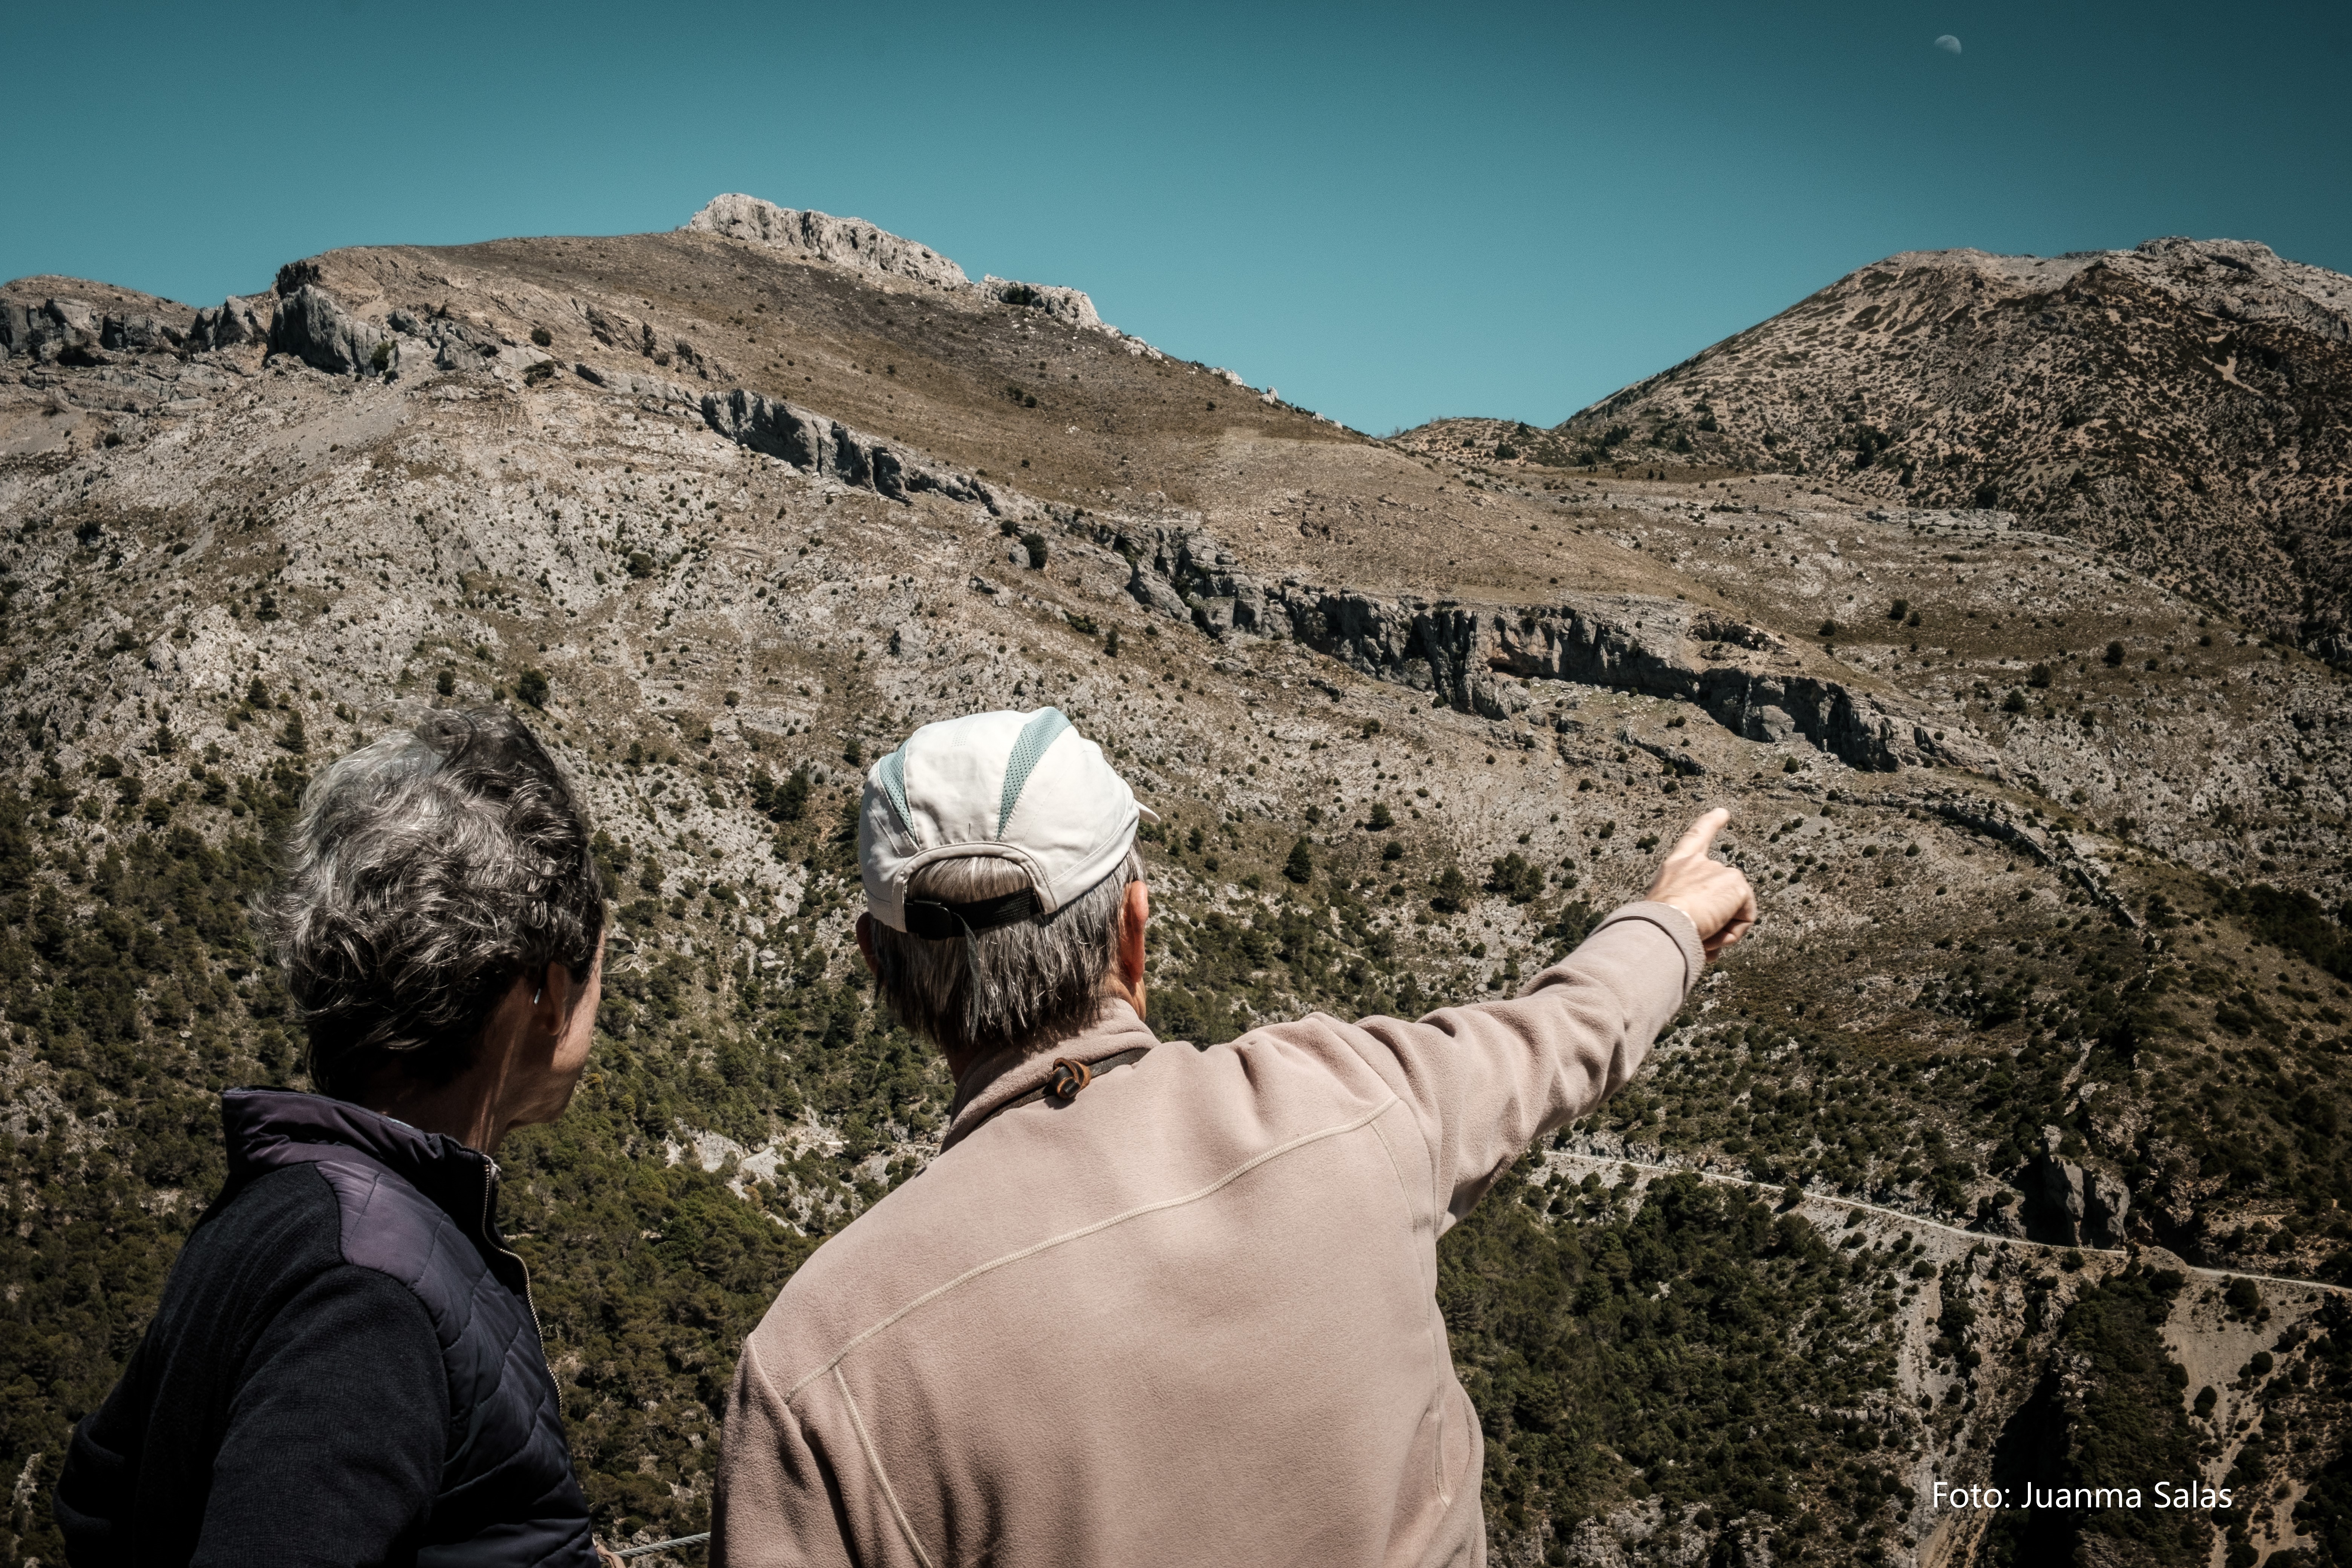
pixel 490 1196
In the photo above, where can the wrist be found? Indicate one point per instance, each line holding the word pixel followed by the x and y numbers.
pixel 1697 932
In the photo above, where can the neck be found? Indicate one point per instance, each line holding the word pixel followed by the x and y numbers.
pixel 1114 988
pixel 464 1108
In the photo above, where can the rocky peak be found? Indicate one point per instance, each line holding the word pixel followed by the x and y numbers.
pixel 2179 402
pixel 850 242
pixel 2235 279
pixel 861 246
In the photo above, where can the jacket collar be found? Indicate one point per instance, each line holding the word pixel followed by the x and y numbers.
pixel 1010 1074
pixel 268 1129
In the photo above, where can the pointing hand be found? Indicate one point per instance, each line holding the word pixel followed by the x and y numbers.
pixel 1716 896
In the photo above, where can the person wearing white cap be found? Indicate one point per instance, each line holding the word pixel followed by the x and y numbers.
pixel 1154 1303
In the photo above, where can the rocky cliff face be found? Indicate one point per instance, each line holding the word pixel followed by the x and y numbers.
pixel 832 450
pixel 2180 404
pixel 1481 659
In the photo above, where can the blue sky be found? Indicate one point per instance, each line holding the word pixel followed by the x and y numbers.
pixel 1389 213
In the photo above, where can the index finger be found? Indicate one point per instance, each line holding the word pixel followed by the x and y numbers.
pixel 1699 834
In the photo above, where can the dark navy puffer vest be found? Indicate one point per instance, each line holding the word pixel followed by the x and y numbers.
pixel 422 1208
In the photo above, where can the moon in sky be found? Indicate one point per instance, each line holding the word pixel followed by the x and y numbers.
pixel 1948 44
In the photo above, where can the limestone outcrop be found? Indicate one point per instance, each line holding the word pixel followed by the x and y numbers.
pixel 861 246
pixel 1472 656
pixel 313 326
pixel 234 322
pixel 56 331
pixel 74 332
pixel 139 331
pixel 850 242
pixel 1071 306
pixel 2067 1205
pixel 822 446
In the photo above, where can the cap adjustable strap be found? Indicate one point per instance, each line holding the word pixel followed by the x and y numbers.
pixel 936 922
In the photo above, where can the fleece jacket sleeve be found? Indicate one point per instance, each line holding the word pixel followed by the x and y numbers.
pixel 779 1501
pixel 336 1433
pixel 1487 1080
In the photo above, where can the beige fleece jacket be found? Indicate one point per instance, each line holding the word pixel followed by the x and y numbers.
pixel 1190 1315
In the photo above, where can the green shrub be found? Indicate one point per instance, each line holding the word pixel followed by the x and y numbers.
pixel 1516 879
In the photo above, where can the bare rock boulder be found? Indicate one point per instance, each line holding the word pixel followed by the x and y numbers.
pixel 2068 1205
pixel 1071 306
pixel 234 323
pixel 312 325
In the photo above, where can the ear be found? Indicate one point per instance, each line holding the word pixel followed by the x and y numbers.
pixel 1133 917
pixel 552 992
pixel 866 942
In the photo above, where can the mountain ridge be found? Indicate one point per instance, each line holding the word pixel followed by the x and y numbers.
pixel 2052 860
pixel 2196 386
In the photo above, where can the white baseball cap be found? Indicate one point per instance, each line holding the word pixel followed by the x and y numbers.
pixel 1024 787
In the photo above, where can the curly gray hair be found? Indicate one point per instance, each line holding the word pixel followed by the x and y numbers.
pixel 1031 985
pixel 425 872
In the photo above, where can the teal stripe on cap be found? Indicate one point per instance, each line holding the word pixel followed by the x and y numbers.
pixel 892 771
pixel 1041 732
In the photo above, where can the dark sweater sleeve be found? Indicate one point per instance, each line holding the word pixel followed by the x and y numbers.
pixel 96 1485
pixel 336 1432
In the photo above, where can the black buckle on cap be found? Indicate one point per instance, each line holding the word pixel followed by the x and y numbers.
pixel 935 921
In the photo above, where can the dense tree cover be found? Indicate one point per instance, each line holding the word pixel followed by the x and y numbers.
pixel 1690 1349
pixel 2324 1513
pixel 1686 1343
pixel 2109 1415
pixel 2292 920
pixel 135 983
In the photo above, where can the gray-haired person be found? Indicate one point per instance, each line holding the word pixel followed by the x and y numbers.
pixel 1154 1303
pixel 344 1367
